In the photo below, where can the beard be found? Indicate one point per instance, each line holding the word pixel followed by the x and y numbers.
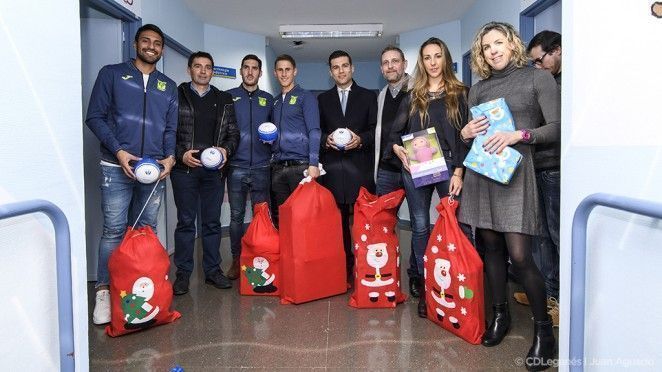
pixel 143 57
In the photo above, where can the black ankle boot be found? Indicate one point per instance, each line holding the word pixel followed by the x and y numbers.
pixel 414 283
pixel 499 326
pixel 422 307
pixel 542 352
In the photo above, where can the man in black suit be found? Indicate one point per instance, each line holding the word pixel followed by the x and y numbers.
pixel 349 166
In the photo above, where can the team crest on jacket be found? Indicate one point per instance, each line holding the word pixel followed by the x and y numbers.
pixel 161 85
pixel 262 101
pixel 293 100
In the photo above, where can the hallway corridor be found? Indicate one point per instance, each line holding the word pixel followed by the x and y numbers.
pixel 221 330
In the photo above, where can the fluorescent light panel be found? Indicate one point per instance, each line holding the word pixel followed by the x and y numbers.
pixel 330 31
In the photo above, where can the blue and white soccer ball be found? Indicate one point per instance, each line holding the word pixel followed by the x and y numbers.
pixel 211 158
pixel 341 137
pixel 267 132
pixel 147 170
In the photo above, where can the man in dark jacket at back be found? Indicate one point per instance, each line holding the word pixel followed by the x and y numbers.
pixel 206 119
pixel 133 113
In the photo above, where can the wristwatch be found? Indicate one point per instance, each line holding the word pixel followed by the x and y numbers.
pixel 526 135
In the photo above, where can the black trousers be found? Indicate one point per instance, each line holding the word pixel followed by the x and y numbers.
pixel 284 180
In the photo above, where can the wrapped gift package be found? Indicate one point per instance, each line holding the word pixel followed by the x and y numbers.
pixel 499 167
pixel 426 160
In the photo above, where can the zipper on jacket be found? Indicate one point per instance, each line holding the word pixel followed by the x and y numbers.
pixel 252 132
pixel 280 120
pixel 142 135
pixel 218 139
pixel 190 103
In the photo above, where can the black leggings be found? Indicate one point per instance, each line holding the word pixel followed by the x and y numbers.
pixel 498 246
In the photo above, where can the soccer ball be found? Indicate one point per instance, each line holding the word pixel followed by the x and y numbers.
pixel 147 170
pixel 267 132
pixel 211 158
pixel 341 137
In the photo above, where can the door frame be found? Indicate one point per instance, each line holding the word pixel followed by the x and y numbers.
pixel 130 23
pixel 527 16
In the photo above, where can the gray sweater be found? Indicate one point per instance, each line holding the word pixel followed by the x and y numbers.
pixel 533 98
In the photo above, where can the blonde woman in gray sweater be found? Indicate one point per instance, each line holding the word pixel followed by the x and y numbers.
pixel 507 216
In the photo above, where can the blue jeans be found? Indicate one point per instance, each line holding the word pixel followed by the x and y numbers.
pixel 121 200
pixel 419 200
pixel 195 188
pixel 241 181
pixel 546 248
pixel 388 181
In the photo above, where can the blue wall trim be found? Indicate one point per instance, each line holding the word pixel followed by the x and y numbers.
pixel 177 46
pixel 466 68
pixel 526 18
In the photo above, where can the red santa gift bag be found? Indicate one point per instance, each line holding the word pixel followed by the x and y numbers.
pixel 454 277
pixel 376 251
pixel 140 293
pixel 260 256
pixel 311 246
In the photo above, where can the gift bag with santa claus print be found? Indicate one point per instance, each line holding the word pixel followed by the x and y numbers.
pixel 140 293
pixel 376 251
pixel 454 277
pixel 311 246
pixel 260 256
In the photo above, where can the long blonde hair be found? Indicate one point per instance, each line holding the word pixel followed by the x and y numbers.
pixel 454 88
pixel 478 63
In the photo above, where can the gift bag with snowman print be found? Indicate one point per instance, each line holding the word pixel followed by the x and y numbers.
pixel 453 274
pixel 376 251
pixel 140 293
pixel 260 256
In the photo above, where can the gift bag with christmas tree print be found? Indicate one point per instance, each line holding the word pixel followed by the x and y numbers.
pixel 260 256
pixel 454 277
pixel 140 293
pixel 311 245
pixel 376 251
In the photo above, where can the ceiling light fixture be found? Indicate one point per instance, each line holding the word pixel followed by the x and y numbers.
pixel 355 30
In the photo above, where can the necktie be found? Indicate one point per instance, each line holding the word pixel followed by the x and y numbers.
pixel 343 101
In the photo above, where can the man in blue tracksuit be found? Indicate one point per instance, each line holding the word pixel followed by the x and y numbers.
pixel 296 115
pixel 133 113
pixel 249 168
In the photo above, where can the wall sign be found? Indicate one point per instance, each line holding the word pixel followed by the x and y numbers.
pixel 225 72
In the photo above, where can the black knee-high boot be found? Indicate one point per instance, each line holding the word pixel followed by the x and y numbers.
pixel 542 352
pixel 499 326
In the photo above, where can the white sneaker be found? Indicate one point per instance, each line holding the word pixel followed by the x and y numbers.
pixel 101 314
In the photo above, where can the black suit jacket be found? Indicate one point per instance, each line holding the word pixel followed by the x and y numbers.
pixel 348 170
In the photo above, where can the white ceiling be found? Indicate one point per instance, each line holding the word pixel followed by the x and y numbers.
pixel 264 17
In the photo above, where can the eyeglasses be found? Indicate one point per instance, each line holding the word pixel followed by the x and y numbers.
pixel 538 61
